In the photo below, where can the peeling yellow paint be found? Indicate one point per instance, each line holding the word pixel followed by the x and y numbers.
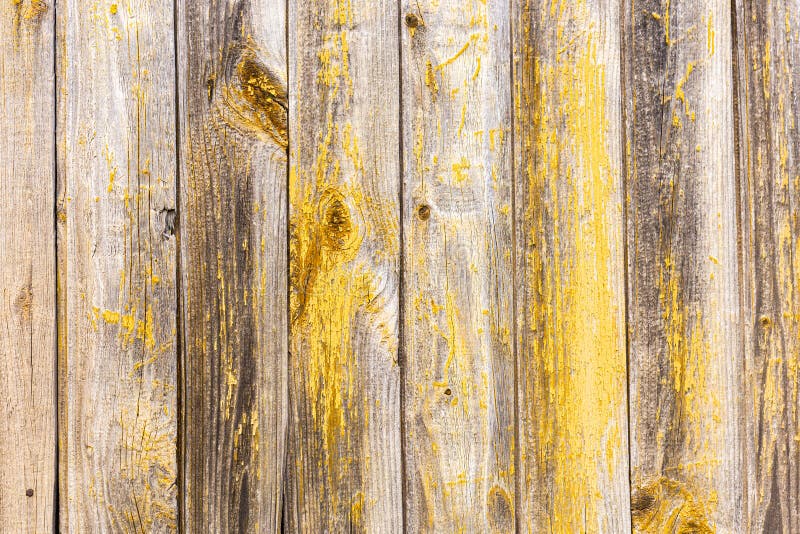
pixel 578 363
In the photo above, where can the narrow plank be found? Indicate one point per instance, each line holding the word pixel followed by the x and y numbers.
pixel 573 443
pixel 116 266
pixel 344 466
pixel 768 61
pixel 458 270
pixel 685 349
pixel 27 268
pixel 232 234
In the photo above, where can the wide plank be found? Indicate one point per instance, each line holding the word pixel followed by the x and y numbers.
pixel 570 304
pixel 767 58
pixel 685 352
pixel 458 383
pixel 27 268
pixel 344 461
pixel 232 234
pixel 116 266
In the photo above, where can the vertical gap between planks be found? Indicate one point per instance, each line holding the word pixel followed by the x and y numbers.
pixel 282 508
pixel 626 174
pixel 180 395
pixel 56 355
pixel 401 300
pixel 514 267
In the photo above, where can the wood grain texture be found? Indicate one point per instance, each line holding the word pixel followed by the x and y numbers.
pixel 232 234
pixel 685 348
pixel 344 467
pixel 27 268
pixel 458 313
pixel 768 60
pixel 116 262
pixel 573 447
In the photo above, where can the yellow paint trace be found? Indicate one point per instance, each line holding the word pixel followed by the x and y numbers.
pixel 334 284
pixel 578 360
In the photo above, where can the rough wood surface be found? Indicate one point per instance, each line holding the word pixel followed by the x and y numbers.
pixel 458 312
pixel 685 348
pixel 27 268
pixel 768 64
pixel 380 266
pixel 573 448
pixel 344 465
pixel 232 234
pixel 116 266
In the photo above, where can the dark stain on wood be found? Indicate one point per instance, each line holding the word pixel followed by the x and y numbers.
pixel 233 197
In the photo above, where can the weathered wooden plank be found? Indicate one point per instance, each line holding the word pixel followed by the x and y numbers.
pixel 232 233
pixel 768 64
pixel 27 268
pixel 116 266
pixel 685 348
pixel 573 443
pixel 344 467
pixel 458 345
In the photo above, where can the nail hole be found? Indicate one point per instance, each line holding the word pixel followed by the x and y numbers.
pixel 424 212
pixel 412 21
pixel 29 493
pixel 448 391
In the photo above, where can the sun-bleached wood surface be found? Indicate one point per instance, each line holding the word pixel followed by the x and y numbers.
pixel 416 266
pixel 27 269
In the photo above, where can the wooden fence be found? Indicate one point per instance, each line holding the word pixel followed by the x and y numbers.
pixel 417 265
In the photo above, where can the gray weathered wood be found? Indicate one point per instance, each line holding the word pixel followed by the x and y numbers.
pixel 27 268
pixel 344 465
pixel 768 64
pixel 117 267
pixel 232 233
pixel 573 443
pixel 685 348
pixel 116 262
pixel 458 312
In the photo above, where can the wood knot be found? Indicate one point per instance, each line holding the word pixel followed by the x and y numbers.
pixel 29 492
pixel 666 505
pixel 412 20
pixel 424 212
pixel 24 301
pixel 642 501
pixel 256 99
pixel 336 225
pixel 319 243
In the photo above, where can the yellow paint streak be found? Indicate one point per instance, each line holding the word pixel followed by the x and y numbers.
pixel 710 35
pixel 131 326
pixel 430 77
pixel 336 301
pixel 680 95
pixel 577 341
pixel 665 20
pixel 460 168
pixel 457 55
pixel 691 355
